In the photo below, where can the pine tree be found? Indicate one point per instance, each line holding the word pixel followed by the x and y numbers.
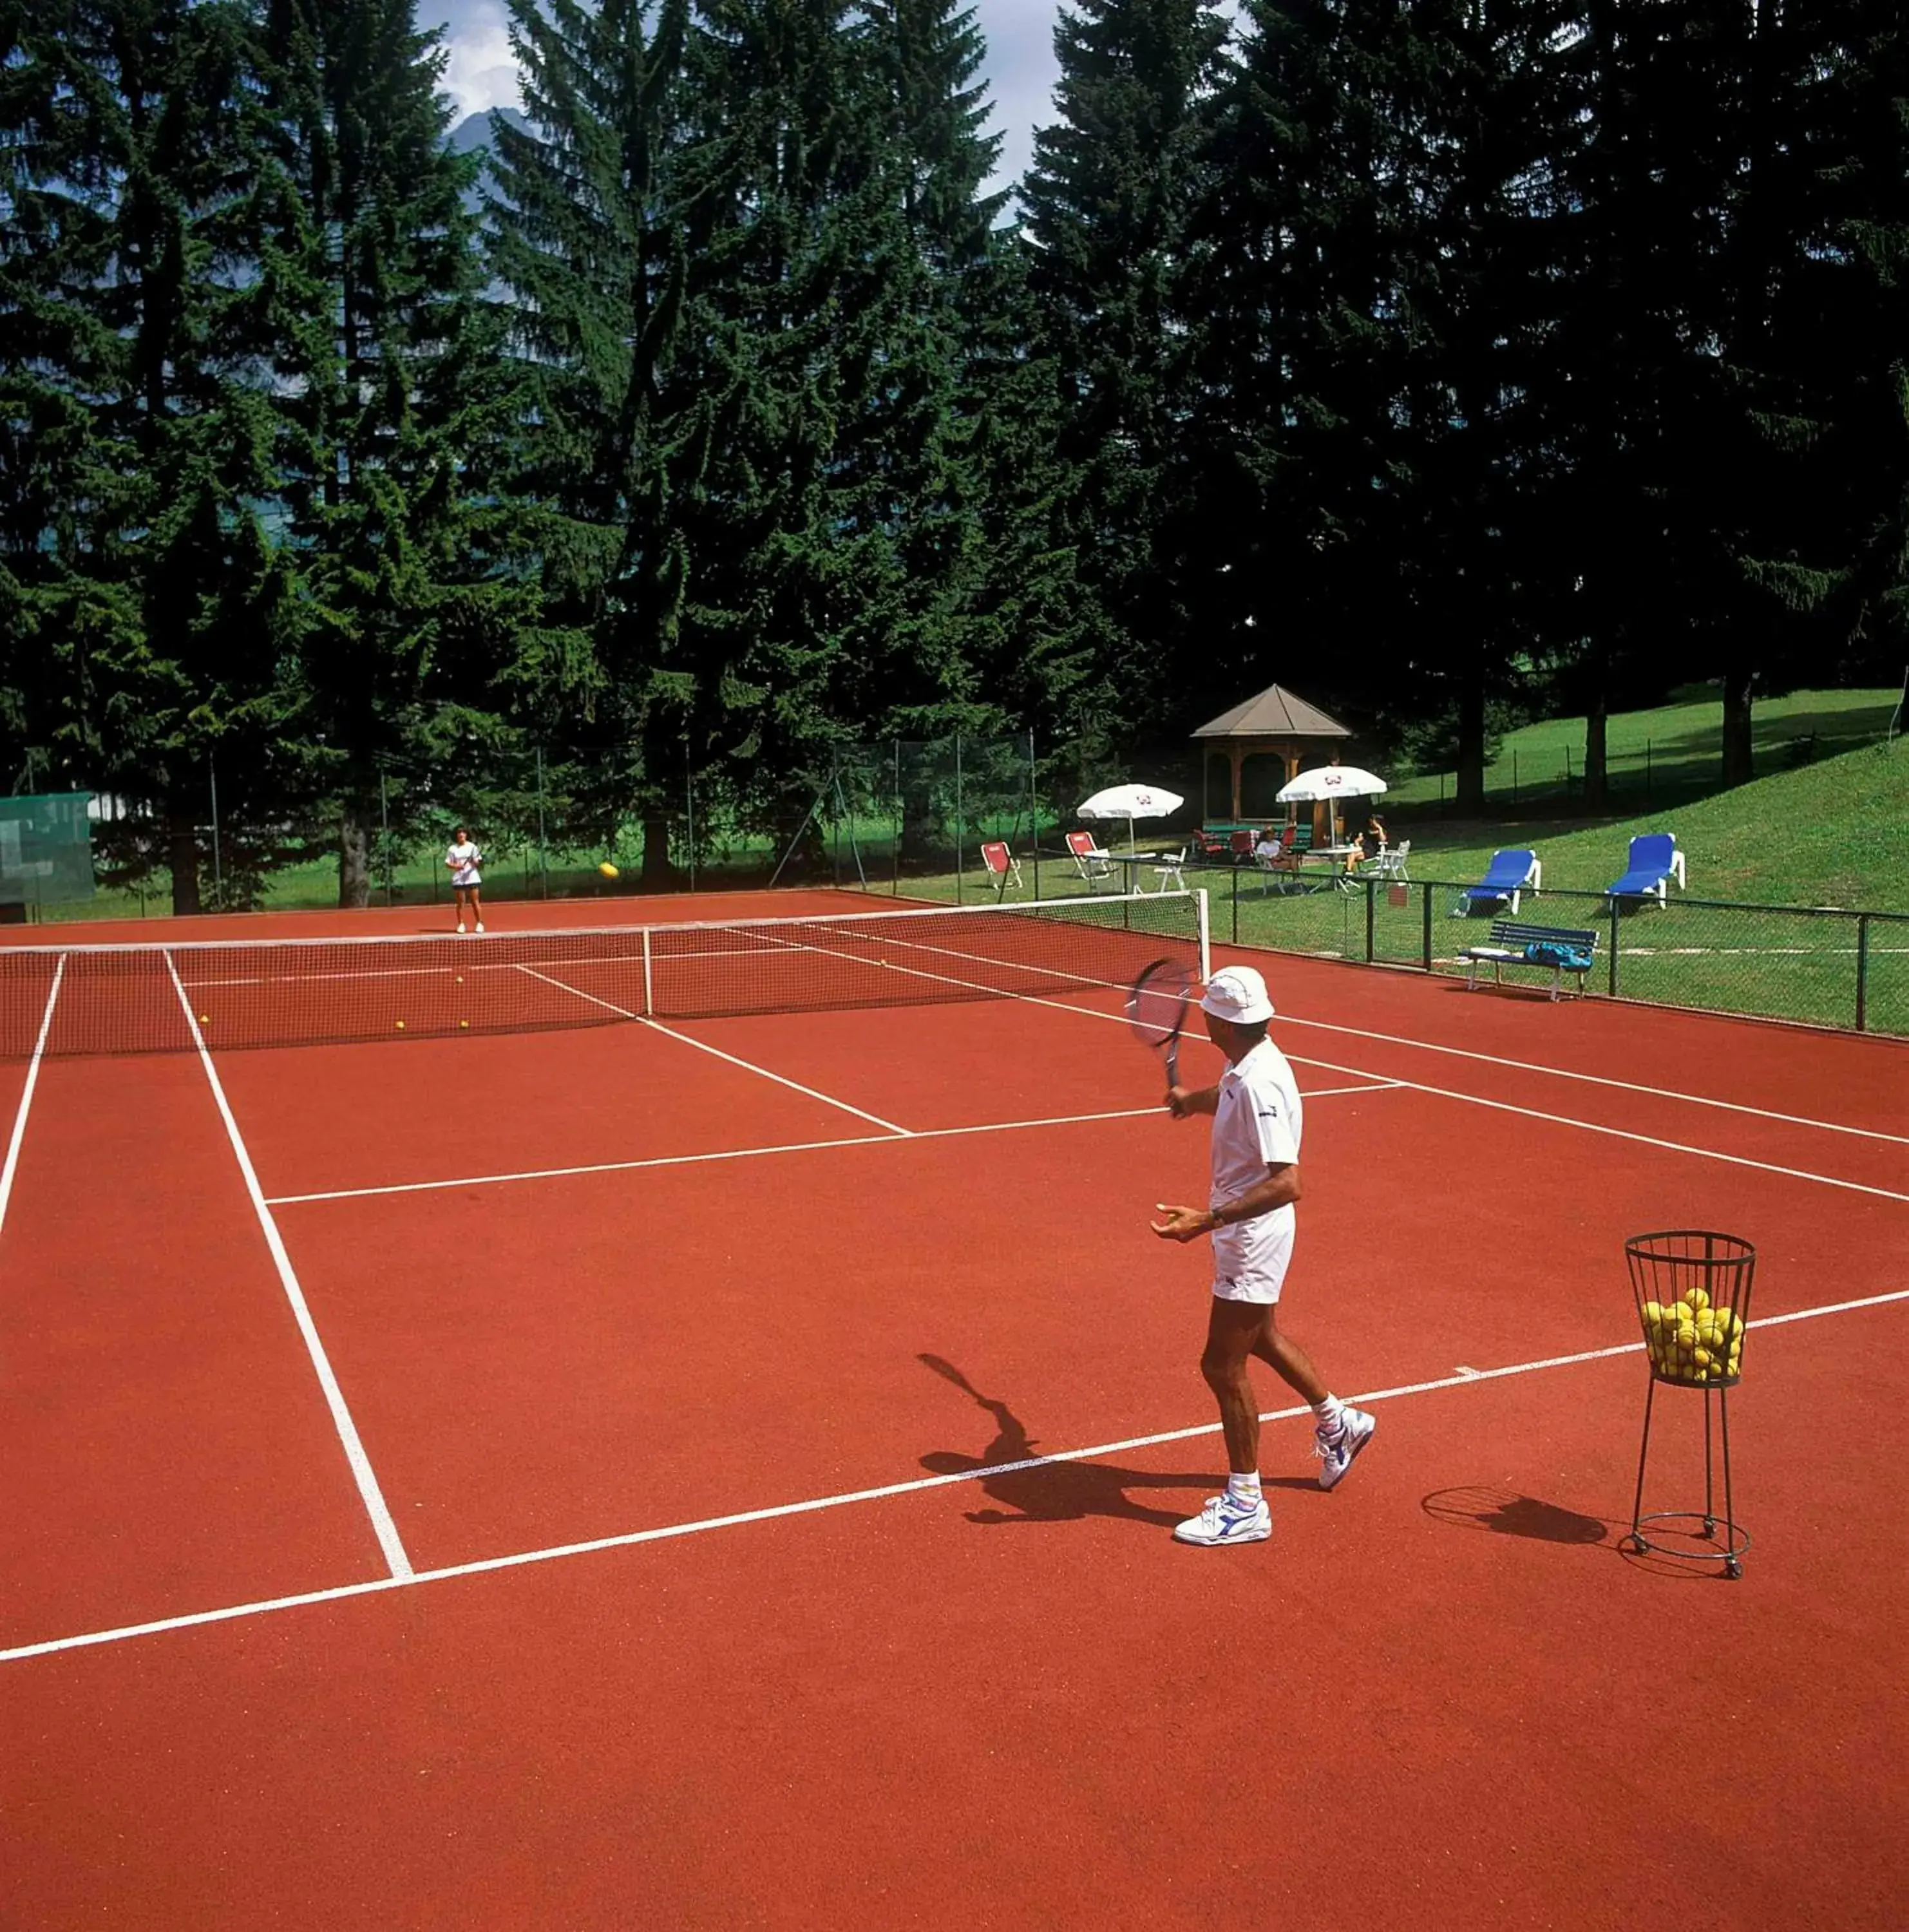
pixel 392 414
pixel 149 582
pixel 1108 201
pixel 586 232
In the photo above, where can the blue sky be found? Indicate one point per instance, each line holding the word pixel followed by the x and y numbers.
pixel 1020 69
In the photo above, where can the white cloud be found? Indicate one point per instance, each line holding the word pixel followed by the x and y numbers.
pixel 1021 68
pixel 480 74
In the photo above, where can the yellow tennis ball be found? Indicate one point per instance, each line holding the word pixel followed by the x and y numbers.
pixel 205 1019
pixel 463 1023
pixel 1653 1313
pixel 608 871
pixel 1696 1300
pixel 401 1026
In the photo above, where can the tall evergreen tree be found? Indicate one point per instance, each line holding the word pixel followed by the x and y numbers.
pixel 589 239
pixel 1108 201
pixel 142 442
pixel 390 413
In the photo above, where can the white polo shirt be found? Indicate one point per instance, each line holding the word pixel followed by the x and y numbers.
pixel 1257 1124
pixel 467 858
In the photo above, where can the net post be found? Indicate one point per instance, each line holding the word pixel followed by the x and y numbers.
pixel 1205 935
pixel 648 983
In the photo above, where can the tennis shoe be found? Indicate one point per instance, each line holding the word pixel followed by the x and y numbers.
pixel 1225 1521
pixel 461 926
pixel 480 925
pixel 1336 1453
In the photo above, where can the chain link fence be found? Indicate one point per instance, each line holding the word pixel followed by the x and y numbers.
pixel 1831 968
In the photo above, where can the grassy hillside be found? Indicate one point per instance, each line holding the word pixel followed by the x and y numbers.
pixel 1835 832
pixel 1672 752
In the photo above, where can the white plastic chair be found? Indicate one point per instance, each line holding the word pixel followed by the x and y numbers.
pixel 1168 873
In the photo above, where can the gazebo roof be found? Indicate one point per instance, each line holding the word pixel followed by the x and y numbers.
pixel 1275 713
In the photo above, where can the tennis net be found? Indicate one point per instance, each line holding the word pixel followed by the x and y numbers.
pixel 103 1000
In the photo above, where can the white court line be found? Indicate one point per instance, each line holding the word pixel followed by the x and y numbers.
pixel 1469 1378
pixel 703 1046
pixel 757 1153
pixel 1597 1080
pixel 362 1473
pixel 1616 1133
pixel 18 1138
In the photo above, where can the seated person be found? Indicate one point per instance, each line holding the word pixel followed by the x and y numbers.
pixel 1268 850
pixel 1371 843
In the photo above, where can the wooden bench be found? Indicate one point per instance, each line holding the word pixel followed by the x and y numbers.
pixel 1509 939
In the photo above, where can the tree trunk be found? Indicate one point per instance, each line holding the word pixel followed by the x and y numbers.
pixel 1471 741
pixel 659 875
pixel 1597 769
pixel 354 854
pixel 182 845
pixel 1739 766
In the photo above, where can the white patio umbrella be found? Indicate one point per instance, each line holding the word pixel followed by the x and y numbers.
pixel 1330 783
pixel 1130 802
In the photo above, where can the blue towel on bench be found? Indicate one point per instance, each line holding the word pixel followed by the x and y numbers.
pixel 1549 952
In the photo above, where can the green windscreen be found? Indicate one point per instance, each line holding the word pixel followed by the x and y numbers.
pixel 46 849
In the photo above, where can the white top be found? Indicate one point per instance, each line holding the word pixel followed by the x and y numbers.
pixel 466 858
pixel 1256 1125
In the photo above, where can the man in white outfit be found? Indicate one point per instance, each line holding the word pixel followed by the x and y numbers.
pixel 1258 1119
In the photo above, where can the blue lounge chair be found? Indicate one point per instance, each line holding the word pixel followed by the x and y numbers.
pixel 1512 870
pixel 1647 872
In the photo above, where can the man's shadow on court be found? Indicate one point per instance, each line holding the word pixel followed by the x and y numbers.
pixel 1058 1491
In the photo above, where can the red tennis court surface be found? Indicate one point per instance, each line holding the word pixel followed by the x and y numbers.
pixel 654 1486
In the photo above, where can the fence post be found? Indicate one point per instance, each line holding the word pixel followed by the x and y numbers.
pixel 1371 912
pixel 1033 811
pixel 1235 905
pixel 1862 972
pixel 960 822
pixel 1647 747
pixel 1514 775
pixel 543 859
pixel 901 822
pixel 1425 939
pixel 384 834
pixel 1613 948
pixel 218 870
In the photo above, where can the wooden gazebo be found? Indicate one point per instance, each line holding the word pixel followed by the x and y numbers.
pixel 1256 747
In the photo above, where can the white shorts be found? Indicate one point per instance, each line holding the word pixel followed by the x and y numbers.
pixel 1251 1266
pixel 1262 1289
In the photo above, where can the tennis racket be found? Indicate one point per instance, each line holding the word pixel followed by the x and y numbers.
pixel 1157 1005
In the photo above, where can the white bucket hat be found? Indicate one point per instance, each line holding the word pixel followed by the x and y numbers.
pixel 1239 993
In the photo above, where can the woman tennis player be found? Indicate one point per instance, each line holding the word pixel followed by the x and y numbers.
pixel 464 859
pixel 1257 1118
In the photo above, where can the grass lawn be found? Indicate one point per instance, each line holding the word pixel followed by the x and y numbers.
pixel 1668 755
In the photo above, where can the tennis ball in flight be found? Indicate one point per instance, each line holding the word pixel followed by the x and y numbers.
pixel 401 1026
pixel 608 871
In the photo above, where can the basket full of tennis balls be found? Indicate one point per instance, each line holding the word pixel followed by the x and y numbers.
pixel 1689 1341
